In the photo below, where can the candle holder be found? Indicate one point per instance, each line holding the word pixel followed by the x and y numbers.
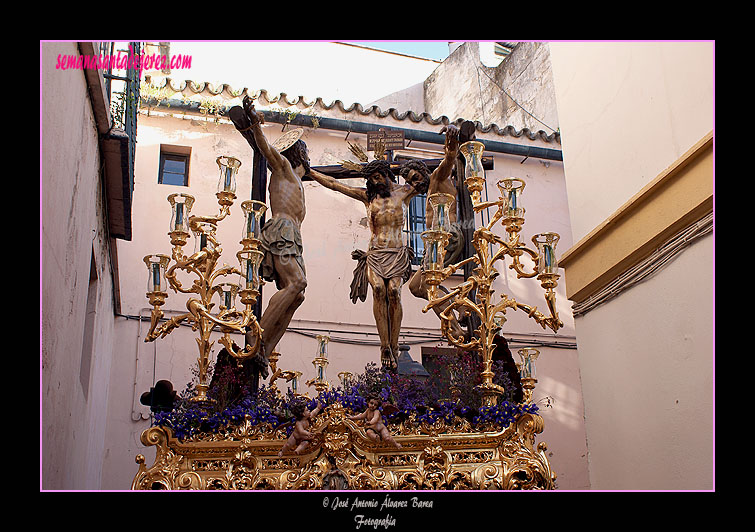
pixel 249 275
pixel 227 293
pixel 229 167
pixel 513 213
pixel 253 212
pixel 474 173
pixel 156 284
pixel 204 237
pixel 346 378
pixel 203 265
pixel 527 371
pixel 293 377
pixel 435 242
pixel 547 265
pixel 179 221
pixel 320 362
pixel 475 294
pixel 440 204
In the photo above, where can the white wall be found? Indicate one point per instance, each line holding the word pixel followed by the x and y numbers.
pixel 627 110
pixel 73 232
pixel 647 368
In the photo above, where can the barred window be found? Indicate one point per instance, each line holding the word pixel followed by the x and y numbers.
pixel 415 225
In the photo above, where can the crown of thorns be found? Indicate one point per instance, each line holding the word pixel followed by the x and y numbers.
pixel 380 166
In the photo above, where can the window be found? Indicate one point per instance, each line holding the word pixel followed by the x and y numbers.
pixel 416 213
pixel 174 168
pixel 415 225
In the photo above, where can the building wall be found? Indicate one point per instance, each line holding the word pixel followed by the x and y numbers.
pixel 77 311
pixel 631 110
pixel 518 92
pixel 646 359
pixel 637 122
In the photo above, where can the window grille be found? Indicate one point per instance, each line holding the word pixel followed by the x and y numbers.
pixel 415 225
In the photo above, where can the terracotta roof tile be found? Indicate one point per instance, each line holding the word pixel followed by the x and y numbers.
pixel 226 91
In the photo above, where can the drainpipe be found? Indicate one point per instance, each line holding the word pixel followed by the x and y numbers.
pixel 351 126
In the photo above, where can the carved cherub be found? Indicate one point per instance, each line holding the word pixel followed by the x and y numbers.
pixel 375 428
pixel 301 436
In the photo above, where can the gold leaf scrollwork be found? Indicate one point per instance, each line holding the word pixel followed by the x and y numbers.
pixel 245 457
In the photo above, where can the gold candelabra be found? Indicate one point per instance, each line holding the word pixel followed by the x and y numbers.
pixel 475 294
pixel 203 264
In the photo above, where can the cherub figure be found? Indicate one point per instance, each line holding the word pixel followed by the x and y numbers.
pixel 376 429
pixel 301 436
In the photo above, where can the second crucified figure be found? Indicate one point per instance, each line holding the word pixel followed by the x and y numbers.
pixel 387 264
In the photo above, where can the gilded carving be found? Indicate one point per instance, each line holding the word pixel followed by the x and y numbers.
pixel 438 456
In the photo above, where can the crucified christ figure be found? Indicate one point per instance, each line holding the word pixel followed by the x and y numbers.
pixel 387 264
pixel 288 160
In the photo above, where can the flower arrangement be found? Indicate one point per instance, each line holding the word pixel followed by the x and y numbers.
pixel 424 401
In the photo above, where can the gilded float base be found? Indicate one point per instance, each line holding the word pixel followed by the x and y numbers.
pixel 341 457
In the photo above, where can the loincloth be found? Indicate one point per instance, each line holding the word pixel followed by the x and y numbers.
pixel 280 237
pixel 454 249
pixel 387 263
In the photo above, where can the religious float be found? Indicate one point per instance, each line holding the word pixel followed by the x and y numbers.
pixel 449 443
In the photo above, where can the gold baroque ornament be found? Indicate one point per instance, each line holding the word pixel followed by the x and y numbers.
pixel 343 457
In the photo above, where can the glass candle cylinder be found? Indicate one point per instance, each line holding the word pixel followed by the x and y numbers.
pixel 229 166
pixel 546 248
pixel 474 173
pixel 511 192
pixel 253 212
pixel 181 208
pixel 435 250
pixel 227 293
pixel 249 261
pixel 204 235
pixel 345 377
pixel 322 346
pixel 321 360
pixel 529 355
pixel 440 204
pixel 295 382
pixel 156 266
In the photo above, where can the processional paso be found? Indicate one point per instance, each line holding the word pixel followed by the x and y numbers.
pixel 330 444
